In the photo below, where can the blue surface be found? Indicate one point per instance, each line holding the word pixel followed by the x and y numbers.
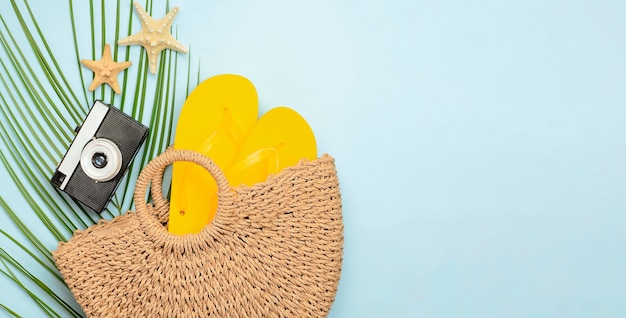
pixel 480 144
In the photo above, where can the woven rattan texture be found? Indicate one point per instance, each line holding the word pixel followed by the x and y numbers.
pixel 273 250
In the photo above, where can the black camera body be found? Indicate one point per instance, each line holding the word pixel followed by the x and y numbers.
pixel 99 155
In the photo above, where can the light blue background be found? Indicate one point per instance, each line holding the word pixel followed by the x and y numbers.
pixel 480 144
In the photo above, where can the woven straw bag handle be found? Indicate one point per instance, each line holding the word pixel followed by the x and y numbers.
pixel 153 172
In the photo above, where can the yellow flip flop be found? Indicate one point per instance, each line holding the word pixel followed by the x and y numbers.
pixel 281 138
pixel 215 121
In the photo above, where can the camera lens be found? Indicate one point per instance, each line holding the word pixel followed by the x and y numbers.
pixel 99 160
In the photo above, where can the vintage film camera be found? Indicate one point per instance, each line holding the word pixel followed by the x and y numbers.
pixel 99 155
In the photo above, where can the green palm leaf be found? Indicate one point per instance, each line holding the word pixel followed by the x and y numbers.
pixel 40 104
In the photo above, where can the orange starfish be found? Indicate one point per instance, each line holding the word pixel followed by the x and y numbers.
pixel 105 70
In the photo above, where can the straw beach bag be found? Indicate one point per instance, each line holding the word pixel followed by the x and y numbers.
pixel 273 250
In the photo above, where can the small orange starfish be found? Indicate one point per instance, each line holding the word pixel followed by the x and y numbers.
pixel 105 70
